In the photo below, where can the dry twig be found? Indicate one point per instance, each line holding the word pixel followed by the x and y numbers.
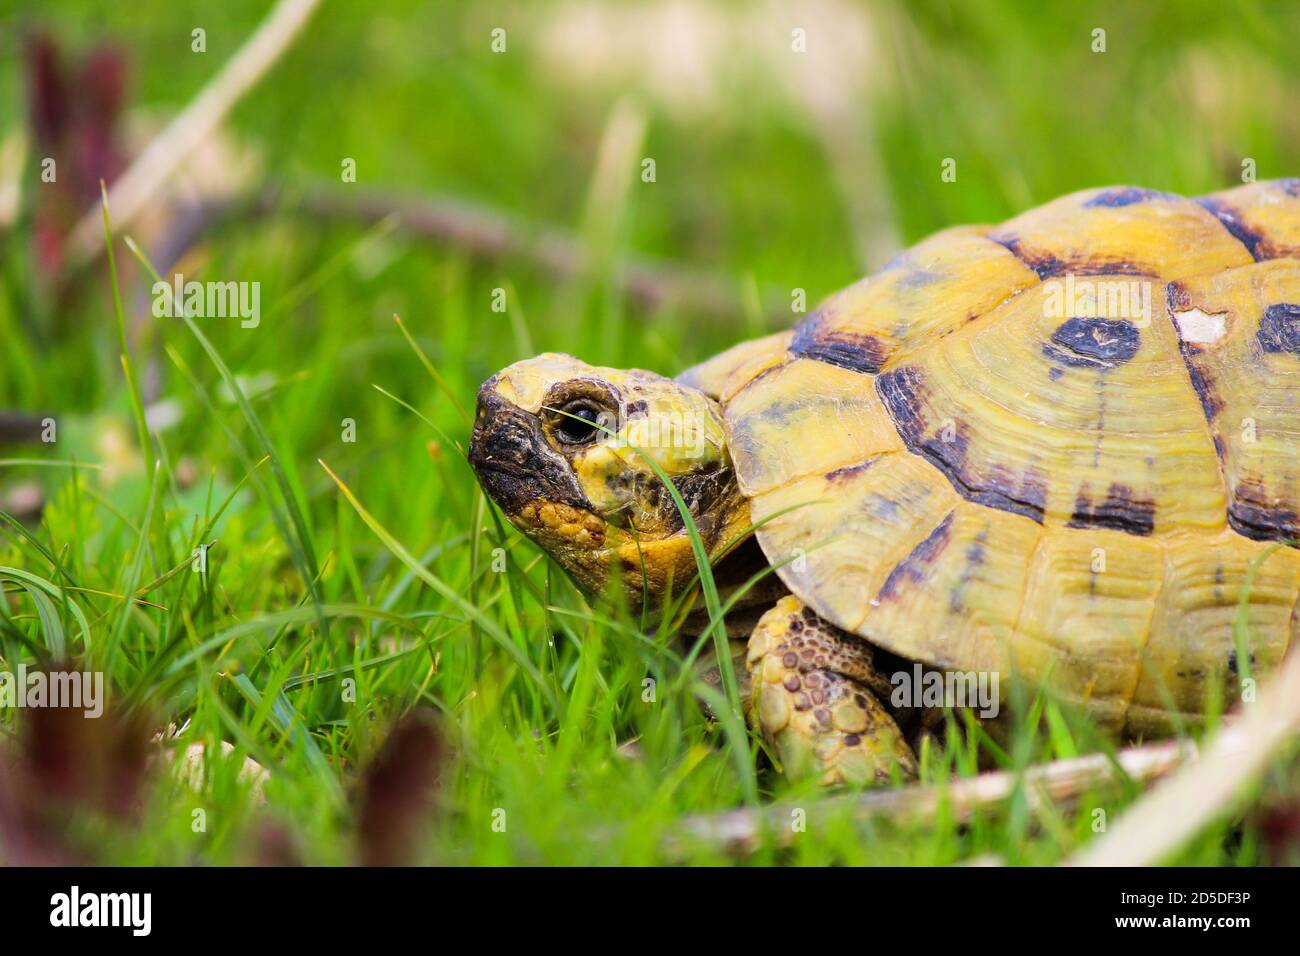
pixel 478 230
pixel 739 831
pixel 132 189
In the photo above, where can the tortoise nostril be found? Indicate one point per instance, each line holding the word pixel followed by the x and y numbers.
pixel 510 444
pixel 505 444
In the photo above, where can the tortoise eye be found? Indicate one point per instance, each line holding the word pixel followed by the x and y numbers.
pixel 582 427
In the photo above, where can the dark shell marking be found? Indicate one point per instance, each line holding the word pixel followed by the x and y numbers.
pixel 1262 524
pixel 1250 513
pixel 1279 328
pixel 1094 343
pixel 1231 221
pixel 974 557
pixel 902 391
pixel 1177 297
pixel 1179 300
pixel 1045 264
pixel 1049 265
pixel 1232 661
pixel 1121 510
pixel 913 567
pixel 1202 383
pixel 857 353
pixel 849 471
pixel 1125 196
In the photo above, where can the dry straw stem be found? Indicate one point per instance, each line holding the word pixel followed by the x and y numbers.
pixel 131 191
pixel 1173 813
pixel 740 831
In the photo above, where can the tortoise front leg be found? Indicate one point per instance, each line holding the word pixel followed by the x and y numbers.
pixel 814 693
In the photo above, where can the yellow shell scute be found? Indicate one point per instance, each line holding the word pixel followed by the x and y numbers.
pixel 804 418
pixel 721 376
pixel 927 292
pixel 1113 230
pixel 832 535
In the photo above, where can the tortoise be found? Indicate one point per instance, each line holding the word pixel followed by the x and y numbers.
pixel 1056 451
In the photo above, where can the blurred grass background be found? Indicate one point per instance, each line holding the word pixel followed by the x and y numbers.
pixel 774 171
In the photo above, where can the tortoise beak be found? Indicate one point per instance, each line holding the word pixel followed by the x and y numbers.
pixel 513 461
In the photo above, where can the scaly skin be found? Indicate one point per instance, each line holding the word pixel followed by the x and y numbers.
pixel 813 700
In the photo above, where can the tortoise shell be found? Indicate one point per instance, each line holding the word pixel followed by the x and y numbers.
pixel 1054 448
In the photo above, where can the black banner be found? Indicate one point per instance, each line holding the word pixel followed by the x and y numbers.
pixel 369 905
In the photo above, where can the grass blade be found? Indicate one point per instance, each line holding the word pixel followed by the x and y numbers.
pixel 489 626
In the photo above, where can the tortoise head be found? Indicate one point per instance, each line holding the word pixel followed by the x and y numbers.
pixel 564 448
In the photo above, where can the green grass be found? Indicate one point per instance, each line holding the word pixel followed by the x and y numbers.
pixel 336 565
